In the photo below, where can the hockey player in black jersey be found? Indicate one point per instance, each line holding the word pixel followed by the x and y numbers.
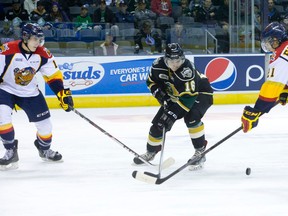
pixel 183 92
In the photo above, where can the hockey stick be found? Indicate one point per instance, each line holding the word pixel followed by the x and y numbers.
pixel 168 162
pixel 162 152
pixel 153 179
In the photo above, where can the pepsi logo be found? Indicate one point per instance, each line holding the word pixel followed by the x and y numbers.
pixel 221 73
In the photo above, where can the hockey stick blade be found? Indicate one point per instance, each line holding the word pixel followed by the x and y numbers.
pixel 168 163
pixel 145 177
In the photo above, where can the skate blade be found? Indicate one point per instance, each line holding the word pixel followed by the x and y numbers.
pixel 51 161
pixel 11 166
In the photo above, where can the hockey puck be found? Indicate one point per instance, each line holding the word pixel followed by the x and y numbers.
pixel 248 171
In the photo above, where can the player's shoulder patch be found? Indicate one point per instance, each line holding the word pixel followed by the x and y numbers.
pixel 10 47
pixel 44 52
pixel 284 53
pixel 3 48
pixel 156 61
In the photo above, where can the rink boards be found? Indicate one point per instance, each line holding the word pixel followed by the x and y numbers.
pixel 120 81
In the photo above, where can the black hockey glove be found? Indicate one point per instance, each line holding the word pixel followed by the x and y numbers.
pixel 162 97
pixel 65 98
pixel 249 118
pixel 167 120
pixel 283 98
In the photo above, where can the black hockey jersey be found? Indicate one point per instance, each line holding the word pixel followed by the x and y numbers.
pixel 182 85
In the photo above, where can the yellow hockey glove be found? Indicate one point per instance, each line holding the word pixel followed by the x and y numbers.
pixel 66 100
pixel 249 118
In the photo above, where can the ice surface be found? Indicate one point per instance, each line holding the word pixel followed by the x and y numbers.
pixel 95 178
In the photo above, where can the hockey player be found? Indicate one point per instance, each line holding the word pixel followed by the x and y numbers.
pixel 19 62
pixel 273 39
pixel 183 92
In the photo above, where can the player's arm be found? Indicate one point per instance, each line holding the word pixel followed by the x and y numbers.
pixel 55 82
pixel 54 78
pixel 269 93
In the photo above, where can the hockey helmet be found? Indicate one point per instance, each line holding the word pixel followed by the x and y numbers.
pixel 174 51
pixel 31 29
pixel 274 32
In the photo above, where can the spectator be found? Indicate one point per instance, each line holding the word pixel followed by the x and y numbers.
pixel 84 20
pixel 273 13
pixel 40 15
pixel 185 8
pixel 105 19
pixel 58 17
pixel 284 21
pixel 63 5
pixel 151 38
pixel 142 14
pixel 206 13
pixel 177 34
pixel 30 5
pixel 17 12
pixel 7 33
pixel 123 16
pixel 108 48
pixel 161 7
pixel 222 16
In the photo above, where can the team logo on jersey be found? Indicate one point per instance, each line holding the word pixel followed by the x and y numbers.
pixel 221 72
pixel 3 48
pixel 187 73
pixel 24 76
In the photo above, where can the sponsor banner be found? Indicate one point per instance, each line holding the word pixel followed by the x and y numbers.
pixel 127 75
pixel 89 77
pixel 233 73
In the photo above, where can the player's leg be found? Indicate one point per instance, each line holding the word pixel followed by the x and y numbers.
pixel 196 128
pixel 7 133
pixel 154 140
pixel 38 112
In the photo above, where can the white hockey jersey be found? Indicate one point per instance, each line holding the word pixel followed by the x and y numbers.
pixel 18 69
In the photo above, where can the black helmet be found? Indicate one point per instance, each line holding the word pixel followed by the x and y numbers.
pixel 174 51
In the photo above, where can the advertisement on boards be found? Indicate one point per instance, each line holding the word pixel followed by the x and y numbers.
pixel 233 73
pixel 127 75
pixel 86 77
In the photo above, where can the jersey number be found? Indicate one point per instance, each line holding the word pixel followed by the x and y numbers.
pixel 190 86
pixel 271 72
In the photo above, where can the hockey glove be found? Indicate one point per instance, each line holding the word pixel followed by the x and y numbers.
pixel 249 118
pixel 283 98
pixel 162 97
pixel 167 120
pixel 65 98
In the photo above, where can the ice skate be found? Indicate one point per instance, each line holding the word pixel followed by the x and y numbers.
pixel 48 155
pixel 148 156
pixel 198 164
pixel 10 160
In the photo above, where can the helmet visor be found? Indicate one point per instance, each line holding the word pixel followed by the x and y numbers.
pixel 266 44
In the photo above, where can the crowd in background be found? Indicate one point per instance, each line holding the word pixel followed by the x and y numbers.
pixel 143 23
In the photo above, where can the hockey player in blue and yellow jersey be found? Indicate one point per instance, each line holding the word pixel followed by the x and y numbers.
pixel 183 92
pixel 274 40
pixel 19 62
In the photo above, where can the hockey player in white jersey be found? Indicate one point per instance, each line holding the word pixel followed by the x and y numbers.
pixel 19 62
pixel 274 40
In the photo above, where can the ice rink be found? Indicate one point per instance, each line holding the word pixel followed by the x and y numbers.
pixel 95 178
